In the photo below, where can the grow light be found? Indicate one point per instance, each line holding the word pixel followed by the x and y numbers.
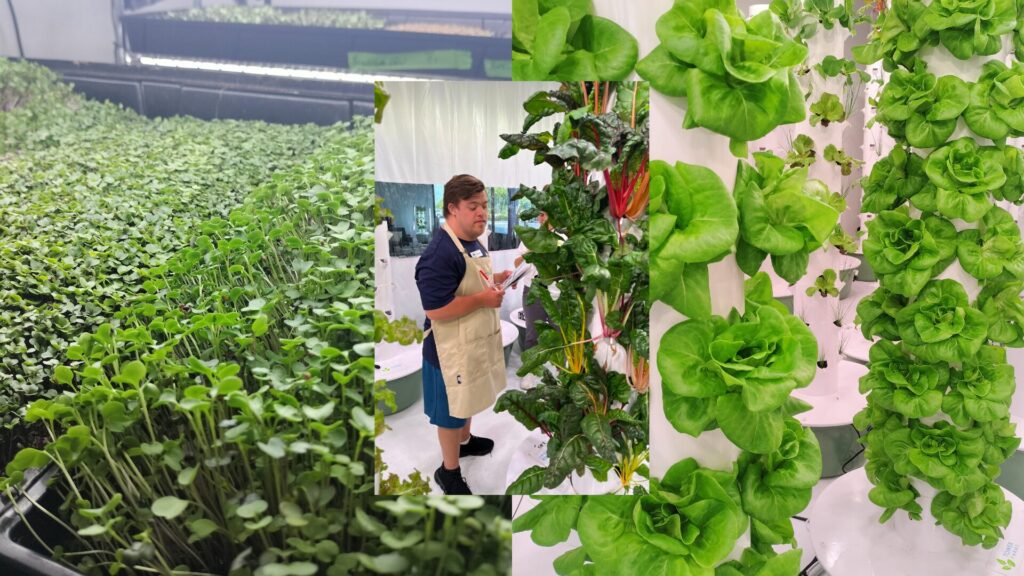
pixel 262 70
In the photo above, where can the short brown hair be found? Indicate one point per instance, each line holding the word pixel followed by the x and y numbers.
pixel 459 188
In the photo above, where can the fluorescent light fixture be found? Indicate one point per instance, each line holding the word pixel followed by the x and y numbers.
pixel 264 70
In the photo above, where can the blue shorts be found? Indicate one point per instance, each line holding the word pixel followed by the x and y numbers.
pixel 435 398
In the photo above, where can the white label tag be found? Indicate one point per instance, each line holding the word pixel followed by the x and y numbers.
pixel 476 254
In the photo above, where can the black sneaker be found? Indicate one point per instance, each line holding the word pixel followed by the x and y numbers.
pixel 476 446
pixel 451 481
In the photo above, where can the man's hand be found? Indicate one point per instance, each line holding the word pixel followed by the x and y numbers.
pixel 500 277
pixel 491 297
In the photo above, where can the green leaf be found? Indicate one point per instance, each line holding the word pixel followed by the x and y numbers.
pixel 274 447
pixel 290 569
pixel 319 413
pixel 259 325
pixel 169 507
pixel 599 432
pixel 201 528
pixel 551 520
pixel 252 509
pixel 529 482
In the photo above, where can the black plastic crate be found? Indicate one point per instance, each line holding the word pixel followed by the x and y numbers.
pixel 360 50
pixel 164 92
pixel 20 552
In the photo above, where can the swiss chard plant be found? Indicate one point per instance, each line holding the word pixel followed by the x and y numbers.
pixel 565 40
pixel 783 214
pixel 593 409
pixel 737 75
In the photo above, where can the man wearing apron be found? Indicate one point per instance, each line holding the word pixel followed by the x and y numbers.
pixel 463 361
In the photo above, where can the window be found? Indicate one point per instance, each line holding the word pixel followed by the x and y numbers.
pixel 418 211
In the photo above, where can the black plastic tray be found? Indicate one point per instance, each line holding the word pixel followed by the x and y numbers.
pixel 164 92
pixel 481 57
pixel 20 553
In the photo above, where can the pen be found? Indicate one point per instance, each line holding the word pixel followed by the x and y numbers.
pixel 486 279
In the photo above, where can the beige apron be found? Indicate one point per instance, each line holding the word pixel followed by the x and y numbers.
pixel 469 348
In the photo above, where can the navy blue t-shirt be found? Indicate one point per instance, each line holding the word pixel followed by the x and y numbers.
pixel 438 275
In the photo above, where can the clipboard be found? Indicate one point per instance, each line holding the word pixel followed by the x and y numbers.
pixel 517 275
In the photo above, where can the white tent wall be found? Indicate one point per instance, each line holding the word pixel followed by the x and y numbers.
pixel 82 30
pixel 434 130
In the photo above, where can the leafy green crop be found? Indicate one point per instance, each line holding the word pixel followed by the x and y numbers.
pixel 897 383
pixel 920 108
pixel 824 285
pixel 876 314
pixel 893 180
pixel 949 458
pixel 1001 303
pixel 938 391
pixel 737 373
pixel 963 27
pixel 737 74
pixel 977 517
pixel 826 110
pixel 908 252
pixel 969 27
pixel 941 325
pixel 804 16
pixel 216 418
pixel 831 67
pixel 777 485
pixel 801 153
pixel 1018 34
pixel 963 175
pixel 841 159
pixel 693 223
pixel 565 40
pixel 595 418
pixel 996 108
pixel 782 214
pixel 687 524
pixel 981 389
pixel 994 247
pixel 276 16
pixel 90 197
